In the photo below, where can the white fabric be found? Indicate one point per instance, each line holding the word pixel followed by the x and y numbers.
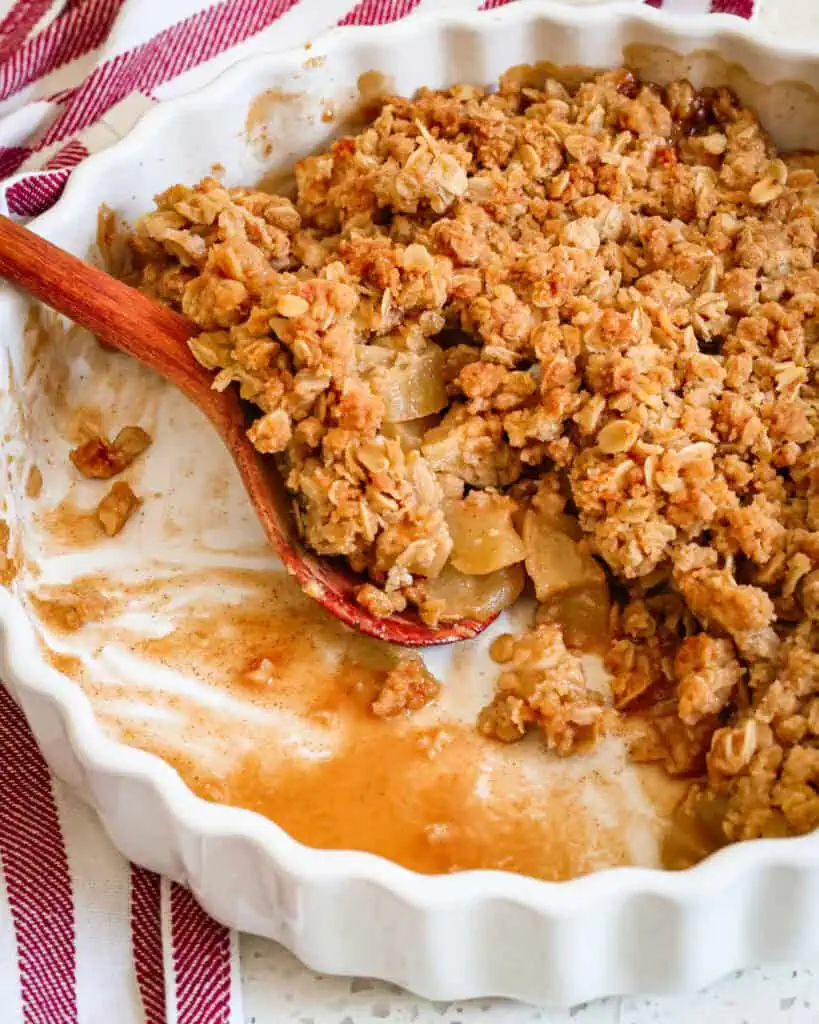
pixel 106 984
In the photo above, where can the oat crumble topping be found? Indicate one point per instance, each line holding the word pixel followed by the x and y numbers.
pixel 407 687
pixel 8 565
pixel 542 684
pixel 567 333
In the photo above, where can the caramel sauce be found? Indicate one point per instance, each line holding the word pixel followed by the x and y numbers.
pixel 789 109
pixel 69 664
pixel 385 794
pixel 8 564
pixel 34 482
pixel 69 526
pixel 426 791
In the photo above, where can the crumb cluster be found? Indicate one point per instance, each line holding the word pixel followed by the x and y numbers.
pixel 100 459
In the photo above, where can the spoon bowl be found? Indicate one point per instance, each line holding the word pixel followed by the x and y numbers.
pixel 156 336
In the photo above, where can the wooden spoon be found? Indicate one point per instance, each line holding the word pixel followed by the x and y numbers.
pixel 157 337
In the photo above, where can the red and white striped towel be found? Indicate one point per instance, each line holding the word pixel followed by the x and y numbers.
pixel 85 937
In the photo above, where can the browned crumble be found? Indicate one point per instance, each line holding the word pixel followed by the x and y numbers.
pixel 574 330
pixel 407 687
pixel 116 508
pixel 101 459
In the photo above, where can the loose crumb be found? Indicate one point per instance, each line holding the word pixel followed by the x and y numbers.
pixel 407 687
pixel 116 508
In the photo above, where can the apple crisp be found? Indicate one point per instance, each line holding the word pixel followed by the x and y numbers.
pixel 564 338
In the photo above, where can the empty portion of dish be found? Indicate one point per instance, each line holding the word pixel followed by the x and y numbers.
pixel 569 335
pixel 261 700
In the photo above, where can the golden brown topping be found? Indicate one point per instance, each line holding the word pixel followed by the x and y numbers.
pixel 503 648
pixel 97 459
pixel 714 596
pixel 732 748
pixel 271 433
pixel 707 672
pixel 291 305
pixel 617 436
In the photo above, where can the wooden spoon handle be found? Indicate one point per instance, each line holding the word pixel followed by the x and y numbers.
pixel 116 313
pixel 158 337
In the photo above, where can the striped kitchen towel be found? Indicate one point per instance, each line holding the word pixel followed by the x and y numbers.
pixel 84 937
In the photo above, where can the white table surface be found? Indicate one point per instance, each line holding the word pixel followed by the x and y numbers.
pixel 278 990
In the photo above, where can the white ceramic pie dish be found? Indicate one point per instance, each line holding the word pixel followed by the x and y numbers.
pixel 475 933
